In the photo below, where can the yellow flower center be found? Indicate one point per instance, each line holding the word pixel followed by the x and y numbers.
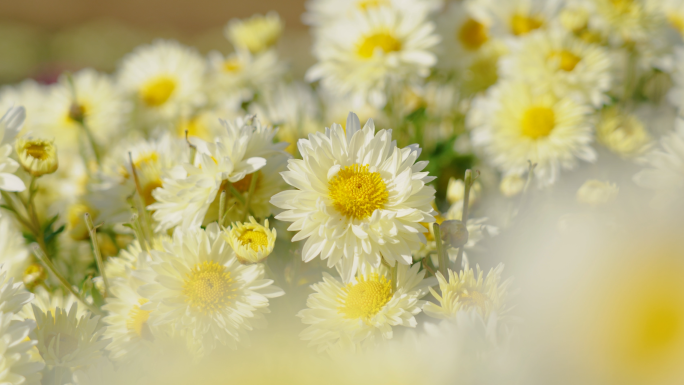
pixel 148 189
pixel 538 122
pixel 365 298
pixel 64 344
pixel 256 240
pixel 356 192
pixel 383 41
pixel 523 24
pixel 474 299
pixel 208 287
pixel 37 150
pixel 137 319
pixel 243 184
pixel 195 127
pixel 567 61
pixel 232 65
pixel 157 91
pixel 677 22
pixel 472 35
pixel 365 5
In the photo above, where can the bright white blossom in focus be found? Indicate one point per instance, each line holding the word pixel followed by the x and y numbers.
pixel 200 289
pixel 376 50
pixel 514 124
pixel 359 197
pixel 364 311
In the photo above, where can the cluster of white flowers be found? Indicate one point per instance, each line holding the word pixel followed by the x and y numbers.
pixel 158 211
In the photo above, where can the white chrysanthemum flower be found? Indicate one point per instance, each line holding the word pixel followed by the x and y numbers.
pixel 189 191
pixel 89 97
pixel 625 21
pixel 377 49
pixel 359 197
pixel 49 302
pixel 251 241
pixel 240 75
pixel 201 289
pixel 515 18
pixel 467 291
pixel 321 13
pixel 13 296
pixel 557 61
pixel 16 365
pixel 164 78
pixel 65 340
pixel 10 125
pixel 15 256
pixel 350 316
pixel 255 34
pixel 29 94
pixel 515 125
pixel 151 159
pixel 664 170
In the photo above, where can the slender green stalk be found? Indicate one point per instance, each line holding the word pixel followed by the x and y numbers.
pixel 96 251
pixel 145 222
pixel 441 253
pixel 468 180
pixel 252 186
pixel 235 192
pixel 222 208
pixel 42 257
pixel 395 275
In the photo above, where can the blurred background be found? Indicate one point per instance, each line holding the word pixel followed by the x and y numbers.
pixel 41 38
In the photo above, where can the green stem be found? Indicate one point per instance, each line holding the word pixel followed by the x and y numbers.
pixel 395 274
pixel 441 253
pixel 252 186
pixel 96 251
pixel 468 183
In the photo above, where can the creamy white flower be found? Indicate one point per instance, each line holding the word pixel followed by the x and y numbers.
pixel 255 34
pixel 15 256
pixel 622 133
pixel 48 301
pixel 65 340
pixel 13 296
pixel 557 61
pixel 376 50
pixel 29 94
pixel 625 21
pixel 16 365
pixel 514 125
pixel 362 312
pixel 359 197
pixel 664 170
pixel 189 190
pixel 164 78
pixel 324 12
pixel 10 125
pixel 515 18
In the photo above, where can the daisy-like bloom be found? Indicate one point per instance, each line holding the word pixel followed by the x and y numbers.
pixel 188 191
pixel 13 296
pixel 595 192
pixel 49 302
pixel 376 49
pixel 251 241
pixel 357 314
pixel 324 12
pixel 163 78
pixel 37 156
pixel 10 124
pixel 241 74
pixel 557 61
pixel 469 291
pixel 256 34
pixel 15 256
pixel 624 21
pixel 200 288
pixel 664 170
pixel 622 133
pixel 16 366
pixel 359 197
pixel 514 125
pixel 515 18
pixel 66 340
pixel 87 98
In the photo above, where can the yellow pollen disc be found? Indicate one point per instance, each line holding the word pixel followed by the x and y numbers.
pixel 243 184
pixel 137 319
pixel 356 192
pixel 208 287
pixel 232 65
pixel 538 122
pixel 365 5
pixel 147 191
pixel 64 344
pixel 366 297
pixel 567 61
pixel 474 299
pixel 380 40
pixel 157 91
pixel 523 24
pixel 472 35
pixel 37 151
pixel 256 240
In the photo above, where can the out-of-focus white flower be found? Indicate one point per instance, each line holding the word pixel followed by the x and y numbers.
pixel 321 13
pixel 625 21
pixel 595 192
pixel 376 49
pixel 256 34
pixel 515 18
pixel 48 301
pixel 199 288
pixel 15 359
pixel 29 94
pixel 514 124
pixel 456 189
pixel 15 256
pixel 10 125
pixel 359 198
pixel 622 133
pixel 354 315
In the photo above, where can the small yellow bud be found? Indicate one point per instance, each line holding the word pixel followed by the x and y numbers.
pixel 251 241
pixel 34 275
pixel 37 156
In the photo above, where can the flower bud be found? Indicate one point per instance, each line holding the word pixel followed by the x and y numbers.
pixel 454 233
pixel 37 156
pixel 595 193
pixel 251 241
